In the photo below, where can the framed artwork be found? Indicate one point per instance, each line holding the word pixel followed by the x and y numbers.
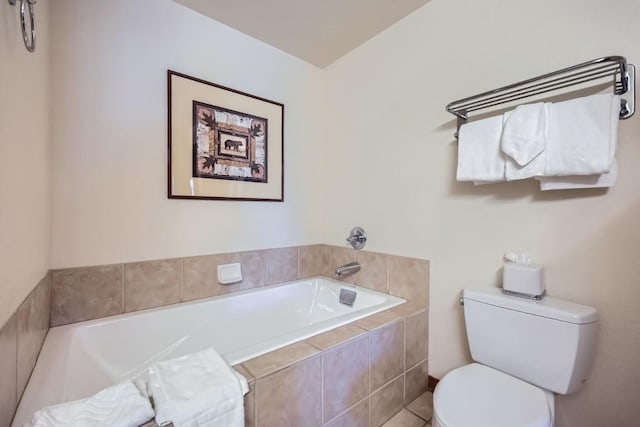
pixel 223 144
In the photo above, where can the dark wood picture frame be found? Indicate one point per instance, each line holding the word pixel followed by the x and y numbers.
pixel 180 184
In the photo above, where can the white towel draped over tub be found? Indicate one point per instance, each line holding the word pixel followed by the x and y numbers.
pixel 197 390
pixel 121 405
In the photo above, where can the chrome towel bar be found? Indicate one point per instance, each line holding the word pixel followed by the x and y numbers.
pixel 615 68
pixel 27 5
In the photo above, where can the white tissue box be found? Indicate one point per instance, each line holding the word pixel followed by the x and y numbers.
pixel 523 278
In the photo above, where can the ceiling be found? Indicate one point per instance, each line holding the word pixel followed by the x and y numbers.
pixel 317 31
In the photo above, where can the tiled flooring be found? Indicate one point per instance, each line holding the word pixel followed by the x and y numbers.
pixel 415 414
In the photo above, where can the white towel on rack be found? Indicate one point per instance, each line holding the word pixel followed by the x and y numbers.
pixel 604 180
pixel 524 135
pixel 582 135
pixel 479 155
pixel 536 166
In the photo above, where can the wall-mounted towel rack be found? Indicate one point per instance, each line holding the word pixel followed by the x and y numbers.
pixel 621 74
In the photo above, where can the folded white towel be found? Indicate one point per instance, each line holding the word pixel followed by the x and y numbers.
pixel 536 166
pixel 524 134
pixel 121 405
pixel 479 155
pixel 197 390
pixel 582 135
pixel 580 181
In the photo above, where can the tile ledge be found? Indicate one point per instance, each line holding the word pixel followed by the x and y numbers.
pixel 409 308
pixel 378 320
pixel 356 332
pixel 268 369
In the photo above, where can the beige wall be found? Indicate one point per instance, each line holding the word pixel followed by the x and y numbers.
pixel 392 171
pixel 109 135
pixel 24 158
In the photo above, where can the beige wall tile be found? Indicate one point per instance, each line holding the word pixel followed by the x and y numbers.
pixel 404 418
pixel 356 416
pixel 340 256
pixel 8 366
pixel 336 336
pixel 422 406
pixel 85 293
pixel 276 360
pixel 386 402
pixel 33 324
pixel 345 376
pixel 250 406
pixel 416 338
pixel 409 279
pixel 416 381
pixel 244 372
pixel 200 276
pixel 387 354
pixel 312 260
pixel 378 320
pixel 43 299
pixel 152 283
pixel 374 271
pixel 249 398
pixel 254 270
pixel 282 265
pixel 408 309
pixel 291 397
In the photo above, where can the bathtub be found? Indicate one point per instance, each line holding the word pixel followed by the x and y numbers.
pixel 80 359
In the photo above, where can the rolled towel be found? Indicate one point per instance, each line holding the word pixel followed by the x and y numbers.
pixel 604 180
pixel 199 389
pixel 121 405
pixel 582 135
pixel 524 134
pixel 479 155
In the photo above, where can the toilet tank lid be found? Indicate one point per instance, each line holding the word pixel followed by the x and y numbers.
pixel 551 308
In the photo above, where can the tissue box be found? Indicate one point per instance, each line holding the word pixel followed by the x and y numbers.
pixel 523 278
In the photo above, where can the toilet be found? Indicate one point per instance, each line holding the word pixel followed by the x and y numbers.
pixel 524 351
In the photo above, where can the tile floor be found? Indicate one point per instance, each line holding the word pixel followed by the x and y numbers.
pixel 415 414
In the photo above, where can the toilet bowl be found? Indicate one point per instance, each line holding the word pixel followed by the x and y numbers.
pixel 524 351
pixel 478 396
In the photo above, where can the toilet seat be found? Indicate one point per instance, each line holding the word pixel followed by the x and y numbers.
pixel 478 396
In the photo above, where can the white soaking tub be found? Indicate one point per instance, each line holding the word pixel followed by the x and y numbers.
pixel 80 359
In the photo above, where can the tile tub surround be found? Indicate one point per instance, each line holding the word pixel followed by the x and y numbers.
pixel 354 375
pixel 86 293
pixel 20 341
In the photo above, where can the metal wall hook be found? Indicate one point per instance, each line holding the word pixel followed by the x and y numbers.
pixel 24 5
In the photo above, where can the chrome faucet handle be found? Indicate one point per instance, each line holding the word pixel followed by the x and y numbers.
pixel 357 238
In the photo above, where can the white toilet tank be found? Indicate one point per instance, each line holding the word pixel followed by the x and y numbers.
pixel 549 343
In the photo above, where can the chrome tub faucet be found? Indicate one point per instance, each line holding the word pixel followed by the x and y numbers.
pixel 347 269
